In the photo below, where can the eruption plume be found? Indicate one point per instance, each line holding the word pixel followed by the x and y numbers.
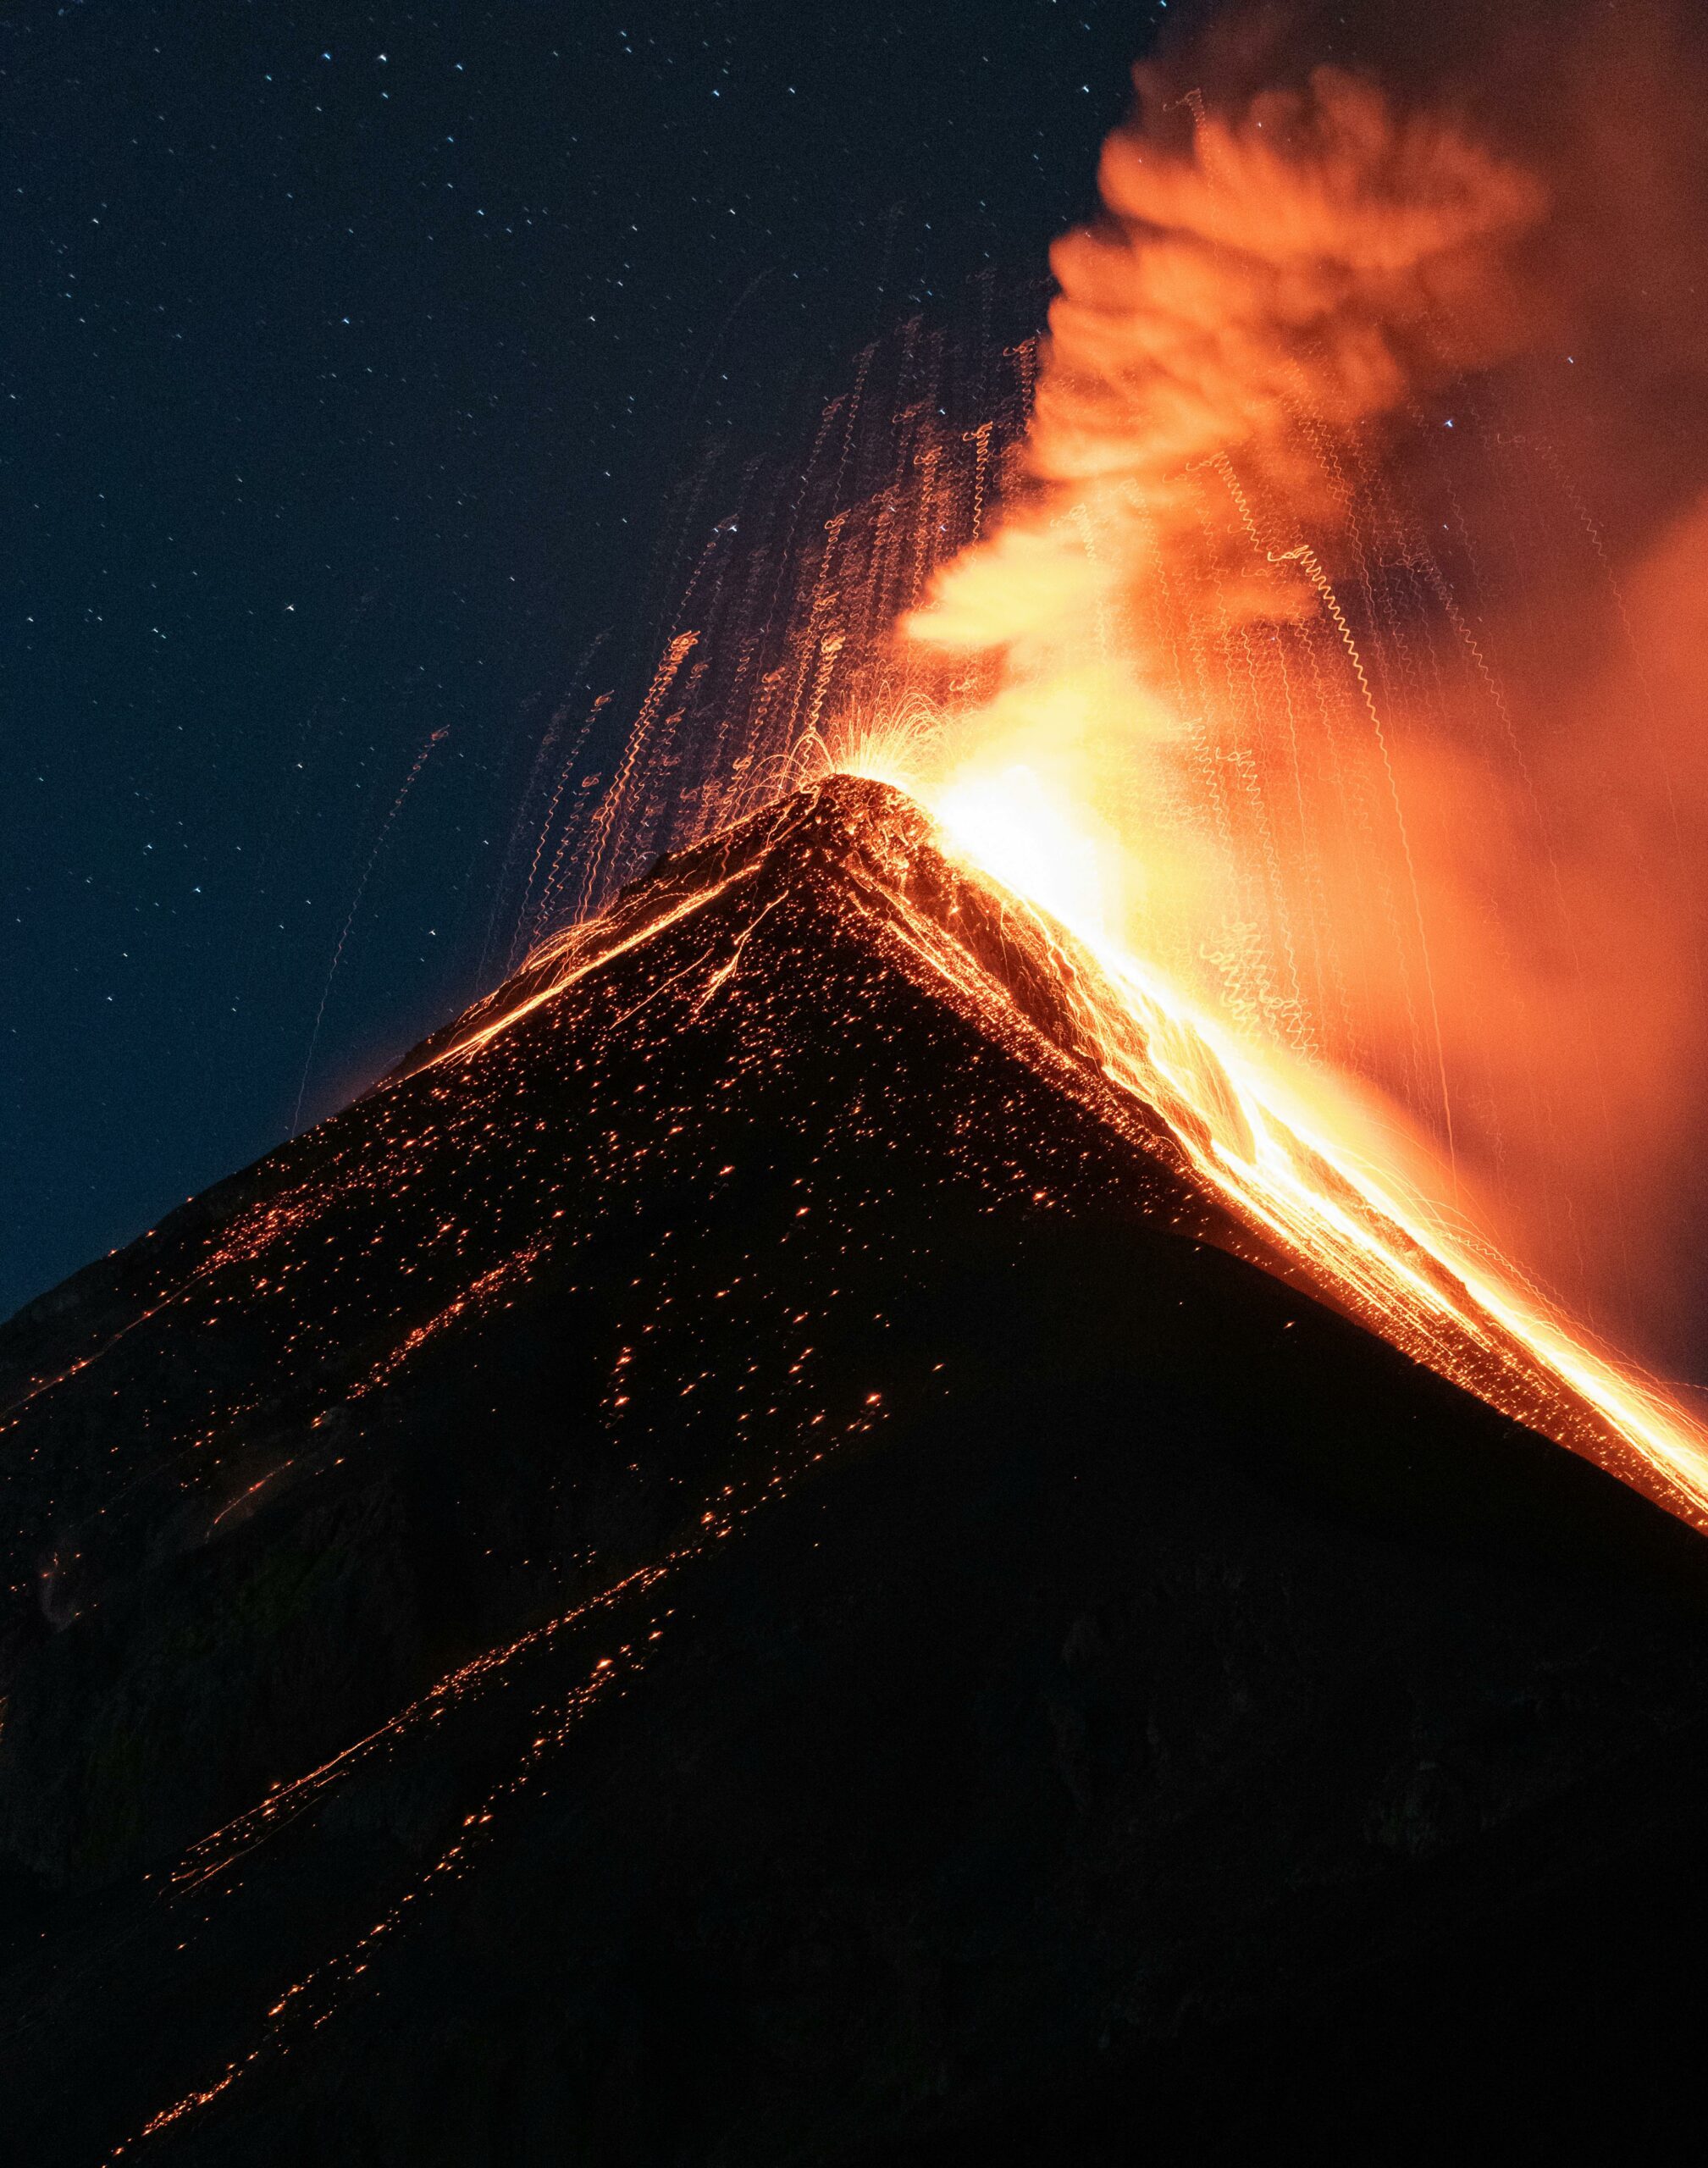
pixel 1305 634
pixel 1268 289
pixel 1303 622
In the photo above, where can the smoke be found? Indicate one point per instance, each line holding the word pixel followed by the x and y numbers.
pixel 1269 285
pixel 1351 589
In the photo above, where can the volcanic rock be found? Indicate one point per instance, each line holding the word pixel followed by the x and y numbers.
pixel 736 1566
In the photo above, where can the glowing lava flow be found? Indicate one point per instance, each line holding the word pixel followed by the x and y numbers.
pixel 986 888
pixel 1245 1132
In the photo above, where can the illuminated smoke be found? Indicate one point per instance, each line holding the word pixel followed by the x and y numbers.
pixel 1342 608
pixel 1268 285
pixel 1314 614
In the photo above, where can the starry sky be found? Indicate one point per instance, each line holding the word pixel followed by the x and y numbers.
pixel 349 356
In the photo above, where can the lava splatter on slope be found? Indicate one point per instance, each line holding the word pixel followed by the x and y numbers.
pixel 354 1507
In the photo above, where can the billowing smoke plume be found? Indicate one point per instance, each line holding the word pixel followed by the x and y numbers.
pixel 1353 588
pixel 1268 288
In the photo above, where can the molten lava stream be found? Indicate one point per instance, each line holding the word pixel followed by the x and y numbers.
pixel 1351 1228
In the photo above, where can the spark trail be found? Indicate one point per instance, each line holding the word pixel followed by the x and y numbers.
pixel 385 828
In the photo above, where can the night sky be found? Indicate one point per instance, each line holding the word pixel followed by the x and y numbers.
pixel 348 357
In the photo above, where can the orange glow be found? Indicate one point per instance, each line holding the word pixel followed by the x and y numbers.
pixel 1326 1185
pixel 1297 775
pixel 1288 1153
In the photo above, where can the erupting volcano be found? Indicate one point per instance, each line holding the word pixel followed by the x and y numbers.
pixel 919 1488
pixel 784 1408
pixel 1152 1066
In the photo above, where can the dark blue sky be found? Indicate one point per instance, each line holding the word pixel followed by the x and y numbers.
pixel 348 356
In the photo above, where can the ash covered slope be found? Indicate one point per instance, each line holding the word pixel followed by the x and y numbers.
pixel 735 1566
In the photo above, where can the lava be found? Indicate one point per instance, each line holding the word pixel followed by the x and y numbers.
pixel 1084 694
pixel 1334 610
pixel 838 971
pixel 1391 1261
pixel 964 893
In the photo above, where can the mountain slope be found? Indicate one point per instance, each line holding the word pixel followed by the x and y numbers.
pixel 737 1564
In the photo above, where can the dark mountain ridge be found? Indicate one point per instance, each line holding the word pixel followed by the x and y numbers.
pixel 735 1565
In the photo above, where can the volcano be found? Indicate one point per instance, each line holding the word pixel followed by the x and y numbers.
pixel 741 1564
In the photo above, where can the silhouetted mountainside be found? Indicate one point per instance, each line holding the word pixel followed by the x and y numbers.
pixel 734 1566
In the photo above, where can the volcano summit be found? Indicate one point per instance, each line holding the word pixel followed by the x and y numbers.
pixel 745 1560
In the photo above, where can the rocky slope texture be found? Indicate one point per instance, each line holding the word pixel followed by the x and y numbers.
pixel 735 1566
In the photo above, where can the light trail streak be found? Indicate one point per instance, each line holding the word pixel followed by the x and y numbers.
pixel 308 2003
pixel 559 982
pixel 379 841
pixel 297 2005
pixel 214 1855
pixel 726 970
